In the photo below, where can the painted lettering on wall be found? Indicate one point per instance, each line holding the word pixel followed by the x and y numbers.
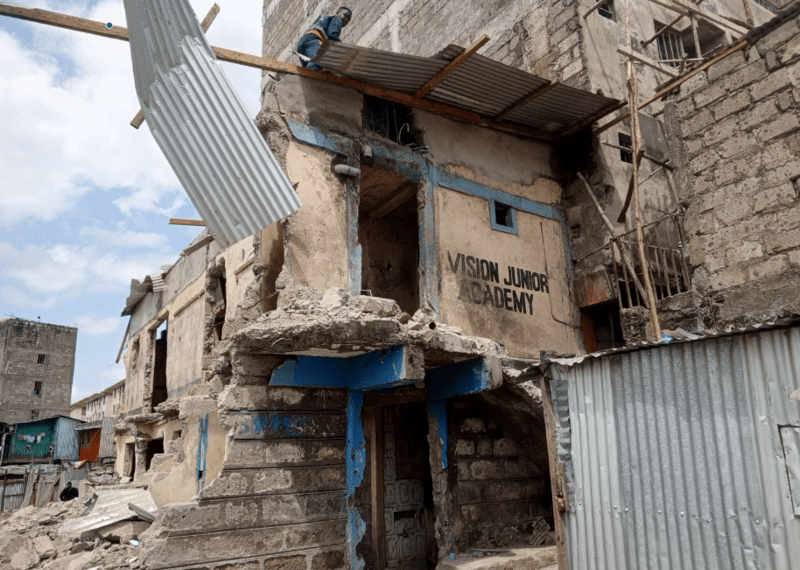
pixel 293 425
pixel 478 274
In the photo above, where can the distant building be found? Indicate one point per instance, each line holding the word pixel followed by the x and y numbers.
pixel 37 362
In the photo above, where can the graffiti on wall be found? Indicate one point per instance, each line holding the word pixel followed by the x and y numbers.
pixel 292 425
pixel 514 290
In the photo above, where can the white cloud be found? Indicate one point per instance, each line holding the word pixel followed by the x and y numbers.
pixel 96 326
pixel 67 107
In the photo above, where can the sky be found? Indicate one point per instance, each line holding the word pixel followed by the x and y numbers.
pixel 85 198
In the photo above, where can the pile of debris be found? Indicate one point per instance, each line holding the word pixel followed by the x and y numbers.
pixel 96 532
pixel 102 474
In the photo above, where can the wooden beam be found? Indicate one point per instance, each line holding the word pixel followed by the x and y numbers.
pixel 525 100
pixel 249 60
pixel 741 44
pixel 654 160
pixel 686 9
pixel 668 27
pixel 205 24
pixel 646 60
pixel 183 222
pixel 450 67
pixel 557 480
pixel 593 8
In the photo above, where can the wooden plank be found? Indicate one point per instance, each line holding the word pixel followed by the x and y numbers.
pixel 557 479
pixel 233 56
pixel 646 60
pixel 374 425
pixel 124 338
pixel 591 10
pixel 205 24
pixel 525 100
pixel 741 44
pixel 450 67
pixel 185 222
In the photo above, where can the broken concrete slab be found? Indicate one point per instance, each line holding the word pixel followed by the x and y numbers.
pixel 44 546
pixel 111 507
pixel 117 531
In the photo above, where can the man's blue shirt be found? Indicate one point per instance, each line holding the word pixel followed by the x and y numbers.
pixel 330 26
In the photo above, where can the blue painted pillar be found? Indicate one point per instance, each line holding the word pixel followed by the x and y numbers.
pixel 356 460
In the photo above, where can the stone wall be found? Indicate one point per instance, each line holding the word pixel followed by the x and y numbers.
pixel 500 476
pixel 24 344
pixel 737 135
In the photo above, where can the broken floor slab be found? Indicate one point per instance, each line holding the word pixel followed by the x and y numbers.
pixel 536 558
pixel 110 507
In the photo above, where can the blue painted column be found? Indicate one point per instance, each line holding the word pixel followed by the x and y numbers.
pixel 356 460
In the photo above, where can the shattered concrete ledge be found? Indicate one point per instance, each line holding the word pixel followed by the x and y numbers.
pixel 334 323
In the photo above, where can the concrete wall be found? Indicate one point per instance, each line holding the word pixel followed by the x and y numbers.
pixel 525 315
pixel 738 143
pixel 183 306
pixel 21 344
pixel 279 496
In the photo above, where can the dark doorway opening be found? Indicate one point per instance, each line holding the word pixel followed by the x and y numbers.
pixel 129 461
pixel 388 230
pixel 602 327
pixel 396 498
pixel 154 446
pixel 159 394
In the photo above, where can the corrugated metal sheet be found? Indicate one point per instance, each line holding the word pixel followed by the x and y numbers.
pixel 480 84
pixel 673 454
pixel 202 128
pixel 12 497
pixel 107 446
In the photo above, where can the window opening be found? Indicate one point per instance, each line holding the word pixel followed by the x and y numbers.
pixel 602 327
pixel 626 155
pixel 154 447
pixel 503 217
pixel 37 389
pixel 40 359
pixel 670 46
pixel 606 10
pixel 160 336
pixel 390 120
pixel 34 414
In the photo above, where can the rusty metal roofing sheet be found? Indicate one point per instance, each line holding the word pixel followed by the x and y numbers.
pixel 673 453
pixel 479 84
pixel 200 124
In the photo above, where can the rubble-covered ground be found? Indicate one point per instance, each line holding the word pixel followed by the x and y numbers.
pixel 29 539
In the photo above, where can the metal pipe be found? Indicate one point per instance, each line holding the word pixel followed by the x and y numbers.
pixel 347 170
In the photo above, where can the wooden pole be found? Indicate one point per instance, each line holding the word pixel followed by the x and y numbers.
pixel 557 480
pixel 647 61
pixel 740 45
pixel 205 24
pixel 249 60
pixel 748 12
pixel 594 7
pixel 610 226
pixel 698 51
pixel 636 141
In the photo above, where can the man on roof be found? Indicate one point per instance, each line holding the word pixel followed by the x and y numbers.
pixel 325 28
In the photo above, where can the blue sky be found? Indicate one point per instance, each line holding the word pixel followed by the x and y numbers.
pixel 86 198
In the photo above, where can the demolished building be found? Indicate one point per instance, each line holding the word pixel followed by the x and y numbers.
pixel 351 387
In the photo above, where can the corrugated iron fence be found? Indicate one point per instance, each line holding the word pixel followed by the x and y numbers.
pixel 683 456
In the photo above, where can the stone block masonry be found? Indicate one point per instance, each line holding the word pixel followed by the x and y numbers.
pixel 37 362
pixel 740 170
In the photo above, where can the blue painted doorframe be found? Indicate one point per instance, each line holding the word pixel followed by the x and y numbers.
pixel 381 370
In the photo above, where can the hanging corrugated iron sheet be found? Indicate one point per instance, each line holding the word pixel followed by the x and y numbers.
pixel 12 497
pixel 674 454
pixel 107 446
pixel 202 128
pixel 479 84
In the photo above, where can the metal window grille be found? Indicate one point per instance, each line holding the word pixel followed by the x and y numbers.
pixel 768 5
pixel 670 47
pixel 37 388
pixel 626 155
pixel 606 10
pixel 40 359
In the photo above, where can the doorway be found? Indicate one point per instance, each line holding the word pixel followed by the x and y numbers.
pixel 159 394
pixel 396 497
pixel 388 231
pixel 154 447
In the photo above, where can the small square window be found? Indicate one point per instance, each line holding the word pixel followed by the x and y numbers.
pixel 626 155
pixel 40 359
pixel 503 217
pixel 606 10
pixel 34 414
pixel 37 388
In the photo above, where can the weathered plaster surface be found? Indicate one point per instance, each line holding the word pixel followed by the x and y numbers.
pixel 538 248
